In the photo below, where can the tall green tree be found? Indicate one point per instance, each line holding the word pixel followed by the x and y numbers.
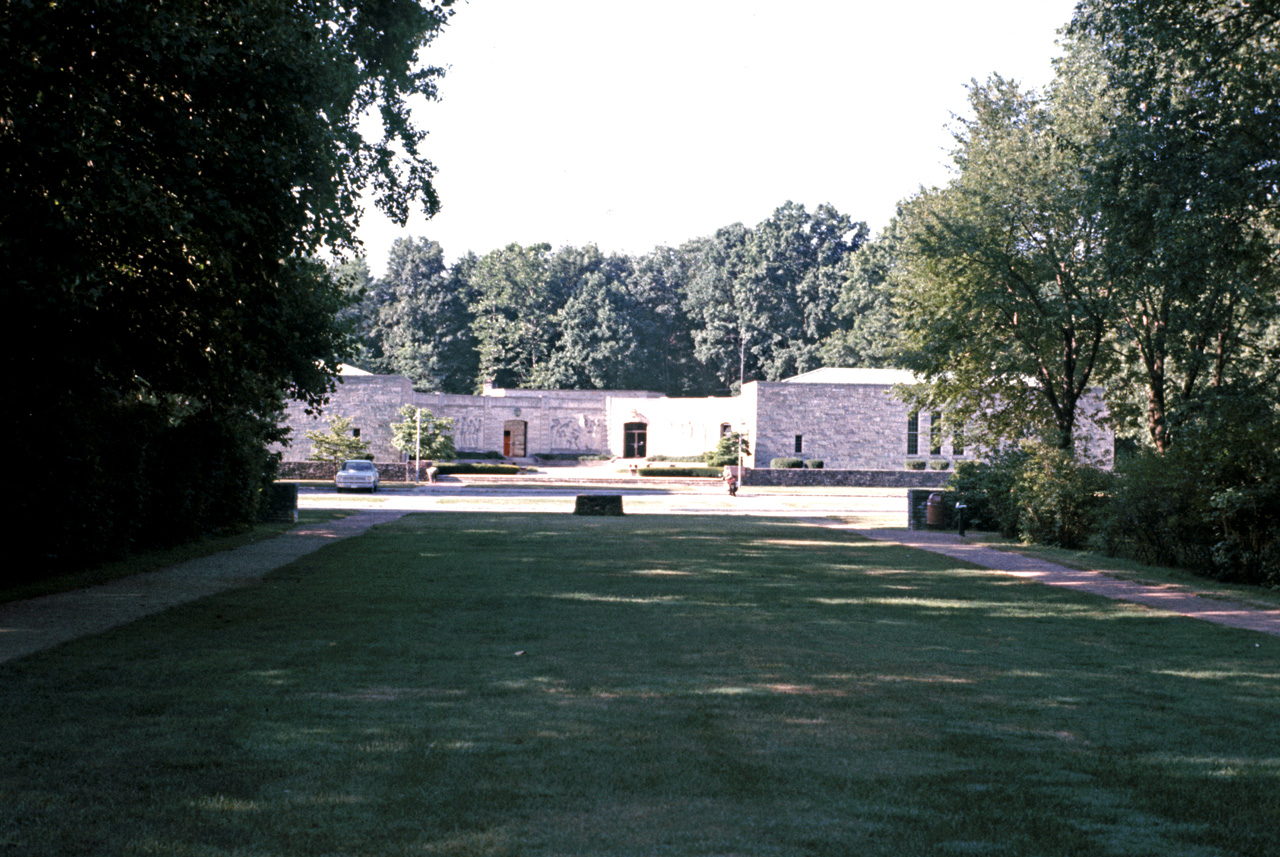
pixel 169 170
pixel 422 435
pixel 423 320
pixel 797 267
pixel 360 314
pixel 1187 184
pixel 762 300
pixel 868 331
pixel 722 328
pixel 664 357
pixel 1000 284
pixel 594 340
pixel 513 307
pixel 337 443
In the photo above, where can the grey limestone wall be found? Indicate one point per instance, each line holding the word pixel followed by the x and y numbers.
pixel 552 421
pixel 847 427
pixel 371 402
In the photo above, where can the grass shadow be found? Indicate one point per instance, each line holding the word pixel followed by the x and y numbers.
pixel 548 684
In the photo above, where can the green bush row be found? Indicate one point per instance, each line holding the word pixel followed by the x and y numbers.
pixel 1210 504
pixel 447 468
pixel 710 472
pixel 572 456
pixel 796 464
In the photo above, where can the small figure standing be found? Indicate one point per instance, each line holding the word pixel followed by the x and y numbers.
pixel 731 479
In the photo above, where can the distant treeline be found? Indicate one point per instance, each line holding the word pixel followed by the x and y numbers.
pixel 747 303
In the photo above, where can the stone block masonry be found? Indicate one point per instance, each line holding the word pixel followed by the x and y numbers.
pixel 848 419
pixel 848 427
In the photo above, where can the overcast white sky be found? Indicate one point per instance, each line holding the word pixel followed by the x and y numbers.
pixel 632 125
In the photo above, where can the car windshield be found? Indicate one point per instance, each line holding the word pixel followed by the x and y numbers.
pixel 358 465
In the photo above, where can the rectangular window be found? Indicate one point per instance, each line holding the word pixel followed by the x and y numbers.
pixel 355 432
pixel 799 443
pixel 957 441
pixel 935 433
pixel 913 433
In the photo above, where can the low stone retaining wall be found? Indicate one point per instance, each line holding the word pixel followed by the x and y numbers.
pixel 796 478
pixel 388 471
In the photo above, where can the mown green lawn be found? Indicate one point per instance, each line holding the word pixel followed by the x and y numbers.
pixel 472 684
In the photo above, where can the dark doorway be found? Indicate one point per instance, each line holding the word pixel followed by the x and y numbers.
pixel 514 433
pixel 635 440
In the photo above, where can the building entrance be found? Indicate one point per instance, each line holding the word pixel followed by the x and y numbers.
pixel 635 440
pixel 514 435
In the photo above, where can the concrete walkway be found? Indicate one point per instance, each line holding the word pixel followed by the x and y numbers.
pixel 41 623
pixel 1170 598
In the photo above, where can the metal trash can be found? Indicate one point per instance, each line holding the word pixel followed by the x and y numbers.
pixel 934 514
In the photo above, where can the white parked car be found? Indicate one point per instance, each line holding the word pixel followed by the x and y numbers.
pixel 357 474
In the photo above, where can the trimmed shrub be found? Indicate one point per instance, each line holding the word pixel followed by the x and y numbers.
pixel 915 464
pixel 575 456
pixel 709 472
pixel 485 454
pixel 786 463
pixel 449 468
pixel 1210 503
pixel 682 458
pixel 987 490
pixel 1060 499
pixel 813 464
pixel 727 450
pixel 936 464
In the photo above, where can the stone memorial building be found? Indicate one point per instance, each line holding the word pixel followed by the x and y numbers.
pixel 847 418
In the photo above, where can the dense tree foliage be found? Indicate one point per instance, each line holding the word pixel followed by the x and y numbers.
pixel 423 436
pixel 421 312
pixel 336 443
pixel 593 341
pixel 169 170
pixel 754 303
pixel 999 275
pixel 867 333
pixel 1122 229
pixel 1186 183
pixel 763 300
pixel 663 332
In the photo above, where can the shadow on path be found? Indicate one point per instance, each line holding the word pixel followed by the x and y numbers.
pixel 41 623
pixel 1170 598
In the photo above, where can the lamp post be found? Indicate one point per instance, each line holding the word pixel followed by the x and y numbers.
pixel 742 439
pixel 417 449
